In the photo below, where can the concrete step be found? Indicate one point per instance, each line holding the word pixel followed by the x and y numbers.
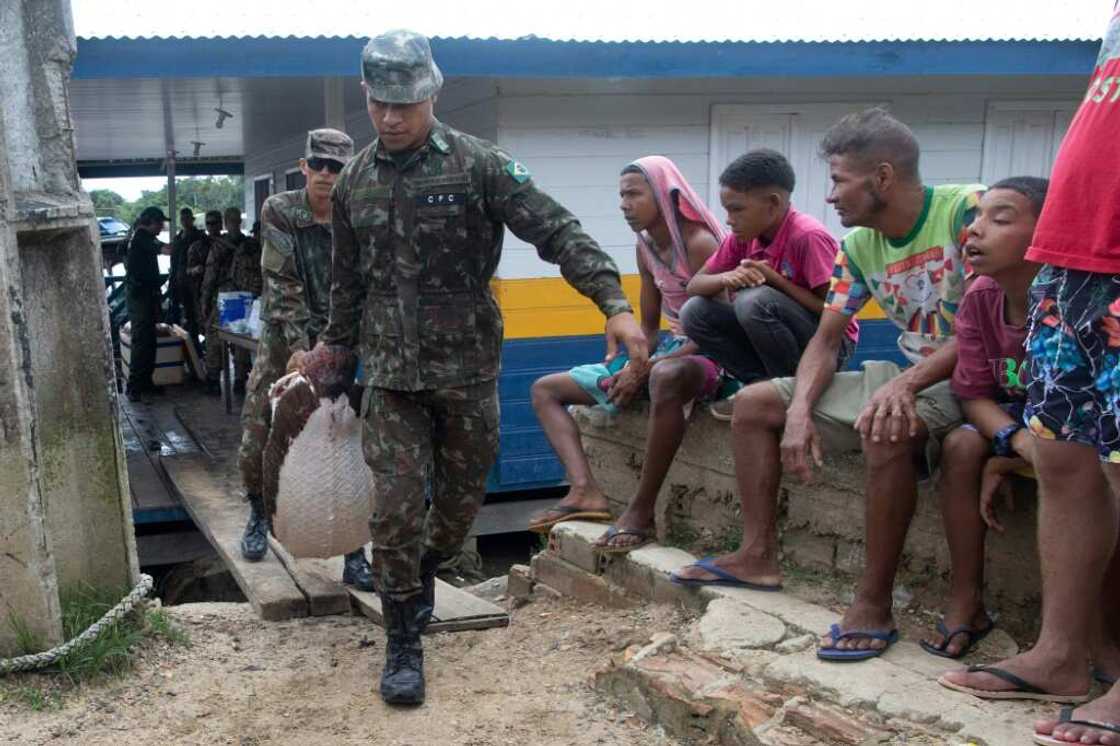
pixel 771 637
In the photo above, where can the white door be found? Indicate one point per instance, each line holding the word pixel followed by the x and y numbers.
pixel 1021 138
pixel 795 131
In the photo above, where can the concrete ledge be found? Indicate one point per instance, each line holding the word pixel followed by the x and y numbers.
pixel 821 524
pixel 766 642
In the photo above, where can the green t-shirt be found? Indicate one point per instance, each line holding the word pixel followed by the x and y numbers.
pixel 918 280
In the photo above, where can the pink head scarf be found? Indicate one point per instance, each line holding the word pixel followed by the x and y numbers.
pixel 674 196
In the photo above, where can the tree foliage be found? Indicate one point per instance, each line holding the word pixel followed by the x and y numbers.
pixel 200 193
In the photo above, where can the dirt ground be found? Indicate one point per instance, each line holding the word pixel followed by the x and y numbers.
pixel 312 681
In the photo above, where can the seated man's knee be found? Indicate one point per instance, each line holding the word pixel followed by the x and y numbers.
pixel 666 380
pixel 964 444
pixel 883 453
pixel 542 392
pixel 756 304
pixel 693 313
pixel 758 406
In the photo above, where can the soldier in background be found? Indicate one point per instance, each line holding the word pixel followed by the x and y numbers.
pixel 296 257
pixel 184 305
pixel 142 286
pixel 218 278
pixel 246 277
pixel 197 255
pixel 418 220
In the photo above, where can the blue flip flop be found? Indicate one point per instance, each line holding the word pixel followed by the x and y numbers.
pixel 723 577
pixel 832 653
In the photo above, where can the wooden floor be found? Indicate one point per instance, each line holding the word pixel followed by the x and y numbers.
pixel 182 455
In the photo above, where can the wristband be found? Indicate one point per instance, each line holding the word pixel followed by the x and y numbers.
pixel 1001 440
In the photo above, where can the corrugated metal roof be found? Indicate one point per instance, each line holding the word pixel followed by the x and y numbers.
pixel 605 20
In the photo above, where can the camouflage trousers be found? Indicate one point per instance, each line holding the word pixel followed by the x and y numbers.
pixel 215 363
pixel 271 364
pixel 450 434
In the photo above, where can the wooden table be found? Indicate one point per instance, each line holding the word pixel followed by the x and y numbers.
pixel 229 340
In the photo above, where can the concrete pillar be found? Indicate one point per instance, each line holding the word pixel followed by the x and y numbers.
pixel 65 509
pixel 334 107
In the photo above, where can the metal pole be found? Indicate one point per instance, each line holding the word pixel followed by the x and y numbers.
pixel 173 214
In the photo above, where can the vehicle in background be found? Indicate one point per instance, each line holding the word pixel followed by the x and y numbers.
pixel 114 238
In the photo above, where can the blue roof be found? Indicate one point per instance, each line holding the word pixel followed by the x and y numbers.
pixel 543 58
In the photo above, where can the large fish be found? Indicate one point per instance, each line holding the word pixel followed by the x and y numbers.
pixel 317 487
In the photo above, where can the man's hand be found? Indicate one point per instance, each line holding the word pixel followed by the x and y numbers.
pixel 626 385
pixel 623 329
pixel 800 443
pixel 746 275
pixel 890 414
pixel 295 362
pixel 993 486
pixel 1022 442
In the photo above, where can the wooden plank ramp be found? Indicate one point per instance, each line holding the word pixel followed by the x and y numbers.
pixel 456 610
pixel 220 515
pixel 201 466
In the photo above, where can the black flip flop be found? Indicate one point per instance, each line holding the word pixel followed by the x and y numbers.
pixel 603 545
pixel 1066 718
pixel 947 635
pixel 1022 689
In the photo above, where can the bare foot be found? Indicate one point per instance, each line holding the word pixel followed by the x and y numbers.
pixel 969 614
pixel 634 526
pixel 1057 675
pixel 1106 663
pixel 863 617
pixel 755 570
pixel 1105 711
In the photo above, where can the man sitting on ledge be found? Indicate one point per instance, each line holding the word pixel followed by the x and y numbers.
pixel 906 254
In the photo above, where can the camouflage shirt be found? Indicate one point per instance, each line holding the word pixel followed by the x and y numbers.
pixel 415 248
pixel 218 277
pixel 296 258
pixel 247 266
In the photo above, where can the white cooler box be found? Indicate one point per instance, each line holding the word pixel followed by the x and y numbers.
pixel 169 356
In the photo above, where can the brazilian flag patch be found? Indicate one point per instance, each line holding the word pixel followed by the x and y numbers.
pixel 518 171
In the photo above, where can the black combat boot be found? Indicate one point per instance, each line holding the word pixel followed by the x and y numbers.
pixel 357 572
pixel 402 681
pixel 254 542
pixel 429 564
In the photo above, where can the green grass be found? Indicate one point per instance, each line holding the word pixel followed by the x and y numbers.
pixel 37 699
pixel 161 626
pixel 27 641
pixel 110 654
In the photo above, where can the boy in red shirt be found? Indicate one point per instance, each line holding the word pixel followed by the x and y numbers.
pixel 991 324
pixel 1073 403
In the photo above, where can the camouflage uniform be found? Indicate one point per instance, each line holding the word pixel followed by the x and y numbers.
pixel 247 267
pixel 415 247
pixel 296 261
pixel 217 278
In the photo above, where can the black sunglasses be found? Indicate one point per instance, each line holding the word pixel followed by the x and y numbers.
pixel 318 164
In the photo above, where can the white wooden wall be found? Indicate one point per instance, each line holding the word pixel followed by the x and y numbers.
pixel 575 136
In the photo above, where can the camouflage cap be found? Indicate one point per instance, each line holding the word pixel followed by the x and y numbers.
pixel 330 144
pixel 398 68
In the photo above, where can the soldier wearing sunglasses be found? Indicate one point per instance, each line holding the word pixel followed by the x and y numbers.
pixel 296 261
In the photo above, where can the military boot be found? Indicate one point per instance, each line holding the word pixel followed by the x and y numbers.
pixel 429 565
pixel 402 680
pixel 254 542
pixel 357 572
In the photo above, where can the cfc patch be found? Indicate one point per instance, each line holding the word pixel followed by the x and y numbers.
pixel 518 171
pixel 440 198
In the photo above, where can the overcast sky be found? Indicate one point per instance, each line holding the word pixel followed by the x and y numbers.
pixel 129 188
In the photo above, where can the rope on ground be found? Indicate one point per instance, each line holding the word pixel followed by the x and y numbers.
pixel 42 660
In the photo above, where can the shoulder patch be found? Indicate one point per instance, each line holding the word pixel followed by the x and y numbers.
pixel 518 171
